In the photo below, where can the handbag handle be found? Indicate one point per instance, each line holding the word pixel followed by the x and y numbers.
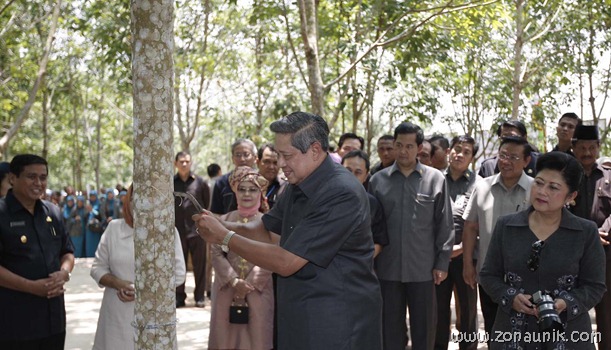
pixel 243 303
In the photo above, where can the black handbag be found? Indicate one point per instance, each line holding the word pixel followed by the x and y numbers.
pixel 95 225
pixel 238 314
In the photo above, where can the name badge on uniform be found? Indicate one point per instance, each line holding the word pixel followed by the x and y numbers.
pixel 460 201
pixel 17 224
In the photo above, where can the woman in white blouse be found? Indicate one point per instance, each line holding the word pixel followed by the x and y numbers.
pixel 114 269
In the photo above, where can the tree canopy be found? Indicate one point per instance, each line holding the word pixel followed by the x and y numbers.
pixel 454 67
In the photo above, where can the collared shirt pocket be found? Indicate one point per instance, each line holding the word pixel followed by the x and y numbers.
pixel 603 191
pixel 425 210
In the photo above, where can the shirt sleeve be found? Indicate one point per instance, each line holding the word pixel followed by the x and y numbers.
pixel 272 220
pixel 223 270
pixel 217 198
pixel 444 231
pixel 591 286
pixel 205 193
pixel 470 213
pixel 493 271
pixel 378 222
pixel 101 262
pixel 180 269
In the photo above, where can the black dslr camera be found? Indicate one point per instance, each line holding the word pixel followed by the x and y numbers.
pixel 549 320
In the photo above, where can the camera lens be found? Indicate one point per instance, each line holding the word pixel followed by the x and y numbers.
pixel 548 317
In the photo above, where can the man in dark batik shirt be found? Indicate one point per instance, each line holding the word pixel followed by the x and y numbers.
pixel 328 295
pixel 36 258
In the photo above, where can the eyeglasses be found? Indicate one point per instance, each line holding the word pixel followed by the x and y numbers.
pixel 247 190
pixel 242 155
pixel 535 252
pixel 504 156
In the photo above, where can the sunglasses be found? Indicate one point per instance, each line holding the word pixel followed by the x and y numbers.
pixel 535 252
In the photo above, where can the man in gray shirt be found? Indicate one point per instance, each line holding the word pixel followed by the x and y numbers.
pixel 504 193
pixel 421 235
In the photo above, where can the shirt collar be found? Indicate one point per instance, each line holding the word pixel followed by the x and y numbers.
pixel 420 169
pixel 191 176
pixel 314 181
pixel 467 175
pixel 599 168
pixel 567 221
pixel 522 182
pixel 125 231
pixel 15 205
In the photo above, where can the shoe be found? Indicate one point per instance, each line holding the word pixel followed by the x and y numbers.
pixel 200 303
pixel 180 303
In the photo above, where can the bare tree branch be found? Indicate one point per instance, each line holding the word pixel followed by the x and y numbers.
pixel 42 70
pixel 6 6
pixel 546 26
pixel 448 8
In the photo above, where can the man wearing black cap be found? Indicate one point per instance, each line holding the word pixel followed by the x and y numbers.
pixel 594 202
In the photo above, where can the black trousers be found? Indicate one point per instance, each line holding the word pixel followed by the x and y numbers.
pixel 489 309
pixel 197 247
pixel 420 298
pixel 466 307
pixel 54 342
pixel 603 312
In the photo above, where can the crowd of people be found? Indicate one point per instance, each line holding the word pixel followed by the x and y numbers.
pixel 313 248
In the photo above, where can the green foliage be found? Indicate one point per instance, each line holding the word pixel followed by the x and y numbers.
pixel 237 70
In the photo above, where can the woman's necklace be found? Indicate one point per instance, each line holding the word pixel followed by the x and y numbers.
pixel 245 218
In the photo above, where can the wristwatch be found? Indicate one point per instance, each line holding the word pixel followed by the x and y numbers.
pixel 234 282
pixel 225 243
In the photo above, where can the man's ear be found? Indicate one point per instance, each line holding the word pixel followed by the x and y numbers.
pixel 527 159
pixel 317 151
pixel 11 178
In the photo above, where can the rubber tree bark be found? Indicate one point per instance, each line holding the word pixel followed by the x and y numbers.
pixel 153 204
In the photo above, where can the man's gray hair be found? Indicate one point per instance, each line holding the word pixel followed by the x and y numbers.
pixel 306 128
pixel 246 141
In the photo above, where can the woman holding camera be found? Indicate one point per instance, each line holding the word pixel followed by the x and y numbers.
pixel 545 266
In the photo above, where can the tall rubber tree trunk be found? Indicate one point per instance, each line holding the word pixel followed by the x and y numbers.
pixel 153 74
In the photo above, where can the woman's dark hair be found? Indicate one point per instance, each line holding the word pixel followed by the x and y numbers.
pixel 569 167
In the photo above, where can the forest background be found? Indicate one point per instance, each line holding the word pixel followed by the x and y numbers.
pixel 454 67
